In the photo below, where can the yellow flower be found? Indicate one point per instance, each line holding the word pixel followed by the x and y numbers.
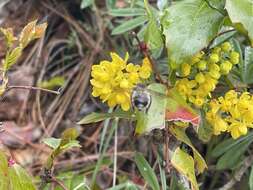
pixel 214 58
pixel 113 81
pixel 237 128
pixel 225 67
pixel 226 47
pixel 200 78
pixel 145 70
pixel 199 102
pixel 185 69
pixel 219 125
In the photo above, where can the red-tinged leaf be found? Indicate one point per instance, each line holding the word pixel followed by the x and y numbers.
pixel 183 114
pixel 179 110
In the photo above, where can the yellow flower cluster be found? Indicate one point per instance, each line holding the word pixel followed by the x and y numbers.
pixel 201 73
pixel 114 80
pixel 232 113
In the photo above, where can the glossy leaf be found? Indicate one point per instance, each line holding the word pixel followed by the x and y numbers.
pixel 96 117
pixel 189 26
pixel 184 164
pixel 129 25
pixel 155 117
pixel 153 35
pixel 146 171
pixel 178 110
pixel 241 11
pixel 179 133
pixel 247 68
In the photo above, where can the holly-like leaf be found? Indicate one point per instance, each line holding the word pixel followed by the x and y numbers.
pixel 241 11
pixel 12 57
pixel 9 36
pixel 178 110
pixel 19 179
pixel 155 117
pixel 189 26
pixel 179 133
pixel 247 67
pixel 152 34
pixel 184 164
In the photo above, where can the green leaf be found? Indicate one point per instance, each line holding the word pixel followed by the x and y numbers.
pixel 27 34
pixel 4 180
pixel 231 158
pixel 153 35
pixel 70 134
pixel 86 3
pixel 184 164
pixel 179 133
pixel 228 144
pixel 205 130
pixel 52 83
pixel 178 110
pixel 70 144
pixel 54 143
pixel 124 12
pixel 12 57
pixel 155 117
pixel 189 26
pixel 19 179
pixel 129 25
pixel 241 11
pixel 96 117
pixel 9 36
pixel 222 38
pixel 251 179
pixel 247 68
pixel 146 171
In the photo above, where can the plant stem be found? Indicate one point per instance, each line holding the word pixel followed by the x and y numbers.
pixel 33 88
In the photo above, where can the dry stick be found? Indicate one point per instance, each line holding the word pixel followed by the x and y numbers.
pixel 248 161
pixel 58 182
pixel 33 88
pixel 145 52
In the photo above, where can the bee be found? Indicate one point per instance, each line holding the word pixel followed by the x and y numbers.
pixel 141 98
